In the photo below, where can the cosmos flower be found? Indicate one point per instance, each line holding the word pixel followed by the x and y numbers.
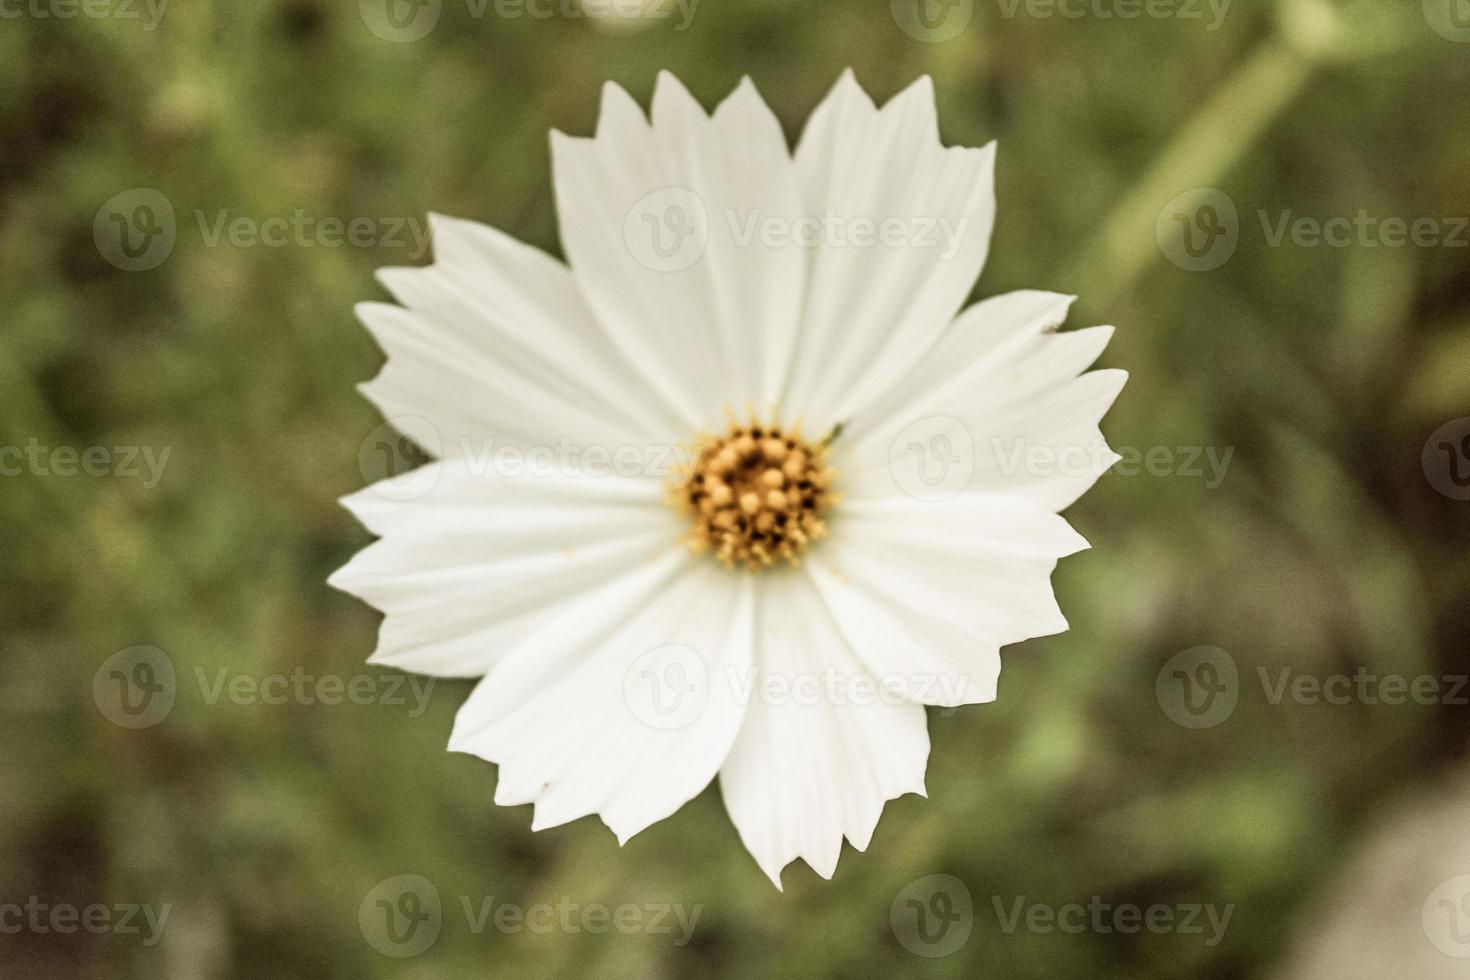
pixel 739 489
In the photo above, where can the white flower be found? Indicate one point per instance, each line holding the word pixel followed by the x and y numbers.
pixel 718 285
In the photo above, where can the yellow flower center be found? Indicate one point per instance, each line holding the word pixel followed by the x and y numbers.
pixel 756 495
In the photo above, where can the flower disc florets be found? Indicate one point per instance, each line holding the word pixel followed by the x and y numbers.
pixel 756 495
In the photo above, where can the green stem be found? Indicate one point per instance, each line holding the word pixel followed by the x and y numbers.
pixel 1201 154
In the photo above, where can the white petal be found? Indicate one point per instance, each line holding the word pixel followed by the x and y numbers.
pixel 1009 382
pixel 713 322
pixel 502 339
pixel 804 772
pixel 556 715
pixel 466 401
pixel 927 592
pixel 483 561
pixel 872 311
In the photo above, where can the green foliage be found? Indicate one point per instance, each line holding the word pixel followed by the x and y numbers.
pixel 1323 548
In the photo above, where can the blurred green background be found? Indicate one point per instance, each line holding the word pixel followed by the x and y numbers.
pixel 1326 546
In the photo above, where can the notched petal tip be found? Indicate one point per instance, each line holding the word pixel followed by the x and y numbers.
pixel 460 739
pixel 356 578
pixel 673 102
pixel 545 817
pixel 744 98
pixel 621 831
pixel 444 229
pixel 1073 541
pixel 1109 380
pixel 619 112
pixel 341 580
pixel 923 85
pixel 399 280
pixel 917 102
pixel 561 142
pixel 507 791
pixel 366 310
pixel 358 503
pixel 377 390
pixel 1063 302
pixel 847 88
pixel 382 320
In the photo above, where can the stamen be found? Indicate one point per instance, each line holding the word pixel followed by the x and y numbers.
pixel 756 495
